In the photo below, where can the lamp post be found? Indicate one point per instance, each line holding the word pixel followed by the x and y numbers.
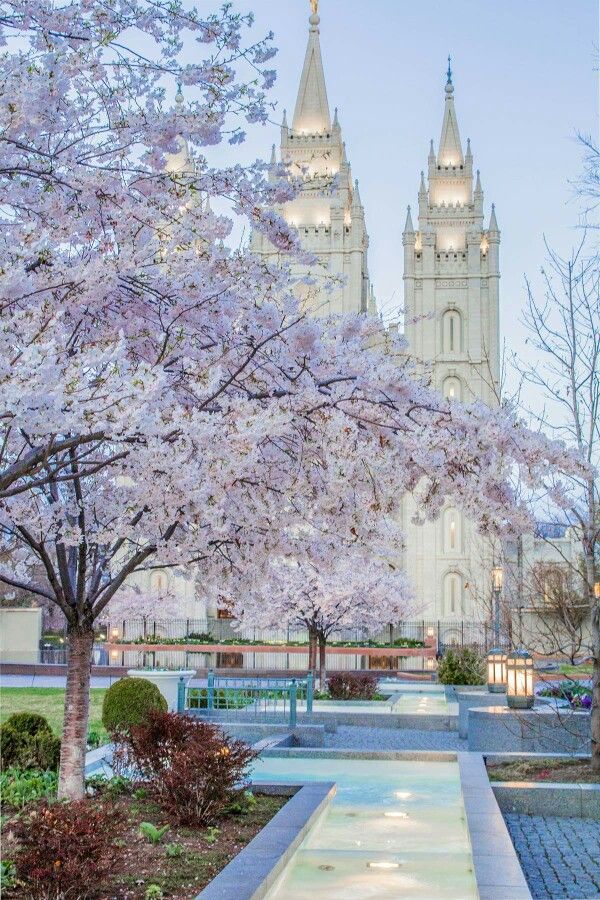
pixel 497 579
pixel 519 680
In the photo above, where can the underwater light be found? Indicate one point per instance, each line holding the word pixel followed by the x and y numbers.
pixel 395 814
pixel 383 864
pixel 402 795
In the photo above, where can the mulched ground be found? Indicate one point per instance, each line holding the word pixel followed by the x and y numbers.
pixel 185 860
pixel 551 770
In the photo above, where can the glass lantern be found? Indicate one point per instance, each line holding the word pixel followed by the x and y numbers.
pixel 519 680
pixel 497 578
pixel 496 667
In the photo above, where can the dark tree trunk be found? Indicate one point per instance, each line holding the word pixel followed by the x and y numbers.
pixel 322 664
pixel 312 652
pixel 71 782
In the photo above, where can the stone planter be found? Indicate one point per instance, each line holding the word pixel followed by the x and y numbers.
pixel 166 681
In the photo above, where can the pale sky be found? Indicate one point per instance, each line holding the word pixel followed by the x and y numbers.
pixel 525 82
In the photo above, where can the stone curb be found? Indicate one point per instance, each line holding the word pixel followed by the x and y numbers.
pixel 549 799
pixel 331 753
pixel 497 867
pixel 251 874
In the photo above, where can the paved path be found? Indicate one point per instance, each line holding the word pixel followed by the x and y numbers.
pixel 352 737
pixel 560 856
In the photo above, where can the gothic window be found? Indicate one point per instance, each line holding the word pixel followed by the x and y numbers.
pixel 158 581
pixel 452 531
pixel 452 388
pixel 451 332
pixel 453 594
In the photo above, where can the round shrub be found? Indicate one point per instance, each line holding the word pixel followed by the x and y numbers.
pixel 28 723
pixel 19 749
pixel 11 745
pixel 128 701
pixel 461 665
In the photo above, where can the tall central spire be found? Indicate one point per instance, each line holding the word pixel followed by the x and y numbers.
pixel 311 115
pixel 450 150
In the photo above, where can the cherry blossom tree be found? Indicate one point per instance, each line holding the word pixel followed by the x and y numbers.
pixel 324 589
pixel 165 403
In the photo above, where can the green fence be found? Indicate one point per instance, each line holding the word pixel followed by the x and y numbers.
pixel 259 699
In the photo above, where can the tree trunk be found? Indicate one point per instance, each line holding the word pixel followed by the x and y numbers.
pixel 71 782
pixel 322 664
pixel 312 652
pixel 595 717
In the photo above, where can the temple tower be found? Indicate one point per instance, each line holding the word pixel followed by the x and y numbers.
pixel 328 212
pixel 451 299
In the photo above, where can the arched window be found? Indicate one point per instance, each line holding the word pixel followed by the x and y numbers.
pixel 452 531
pixel 451 332
pixel 452 388
pixel 159 581
pixel 453 594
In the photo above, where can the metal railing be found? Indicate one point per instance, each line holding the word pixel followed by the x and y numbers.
pixel 247 699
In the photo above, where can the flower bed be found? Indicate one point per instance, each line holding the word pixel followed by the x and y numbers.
pixel 175 813
pixel 551 770
pixel 181 862
pixel 578 695
pixel 208 641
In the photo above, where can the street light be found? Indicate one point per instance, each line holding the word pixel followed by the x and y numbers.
pixel 497 579
pixel 519 680
pixel 597 590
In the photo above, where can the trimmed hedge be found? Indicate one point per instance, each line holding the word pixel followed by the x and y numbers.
pixel 128 701
pixel 27 742
pixel 463 665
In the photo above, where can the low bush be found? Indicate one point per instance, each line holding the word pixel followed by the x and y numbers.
pixel 352 686
pixel 63 850
pixel 461 665
pixel 18 787
pixel 194 771
pixel 28 723
pixel 128 702
pixel 27 742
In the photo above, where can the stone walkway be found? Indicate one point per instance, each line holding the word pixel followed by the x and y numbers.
pixel 560 856
pixel 352 737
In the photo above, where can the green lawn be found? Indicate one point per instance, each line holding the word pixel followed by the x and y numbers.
pixel 585 669
pixel 49 702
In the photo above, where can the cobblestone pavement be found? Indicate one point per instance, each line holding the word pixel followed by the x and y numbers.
pixel 560 856
pixel 354 737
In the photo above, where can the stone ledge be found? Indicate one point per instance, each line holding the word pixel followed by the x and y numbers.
pixel 549 799
pixel 254 870
pixel 497 867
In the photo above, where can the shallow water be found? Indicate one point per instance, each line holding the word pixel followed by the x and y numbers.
pixel 395 829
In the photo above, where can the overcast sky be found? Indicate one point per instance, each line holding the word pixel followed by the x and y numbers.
pixel 525 82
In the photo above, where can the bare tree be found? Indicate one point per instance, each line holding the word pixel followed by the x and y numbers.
pixel 564 327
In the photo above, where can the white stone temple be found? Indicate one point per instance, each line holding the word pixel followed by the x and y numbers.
pixel 451 308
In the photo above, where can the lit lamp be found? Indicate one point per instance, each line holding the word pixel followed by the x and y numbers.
pixel 597 590
pixel 114 633
pixel 519 680
pixel 496 666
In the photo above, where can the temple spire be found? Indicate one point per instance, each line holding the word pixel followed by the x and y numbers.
pixel 408 228
pixel 311 114
pixel 450 150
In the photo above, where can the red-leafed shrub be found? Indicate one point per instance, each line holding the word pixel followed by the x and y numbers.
pixel 63 850
pixel 193 769
pixel 352 686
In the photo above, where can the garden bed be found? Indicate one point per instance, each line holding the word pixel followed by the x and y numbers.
pixel 181 864
pixel 554 771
